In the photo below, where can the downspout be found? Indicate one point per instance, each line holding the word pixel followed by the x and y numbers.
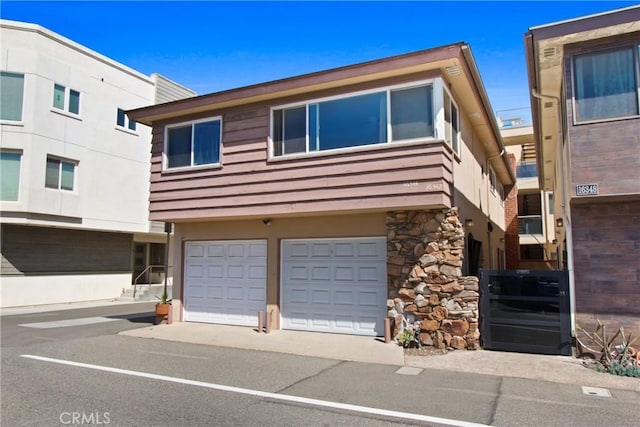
pixel 566 211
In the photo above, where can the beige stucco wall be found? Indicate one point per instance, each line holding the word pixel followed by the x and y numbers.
pixel 473 196
pixel 333 226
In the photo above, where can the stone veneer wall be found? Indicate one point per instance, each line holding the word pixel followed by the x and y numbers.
pixel 425 283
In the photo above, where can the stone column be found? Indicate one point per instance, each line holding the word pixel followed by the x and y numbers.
pixel 425 283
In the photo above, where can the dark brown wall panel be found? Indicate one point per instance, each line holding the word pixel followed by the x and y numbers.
pixel 606 239
pixel 38 250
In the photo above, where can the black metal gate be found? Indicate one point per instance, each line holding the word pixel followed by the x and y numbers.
pixel 525 311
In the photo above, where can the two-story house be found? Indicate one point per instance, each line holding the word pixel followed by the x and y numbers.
pixel 585 96
pixel 312 198
pixel 74 170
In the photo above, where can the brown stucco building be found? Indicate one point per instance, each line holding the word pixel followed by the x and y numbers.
pixel 585 96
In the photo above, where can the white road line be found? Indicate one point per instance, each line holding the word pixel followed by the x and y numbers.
pixel 264 394
pixel 69 322
pixel 160 353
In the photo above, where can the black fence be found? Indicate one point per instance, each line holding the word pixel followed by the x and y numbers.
pixel 525 311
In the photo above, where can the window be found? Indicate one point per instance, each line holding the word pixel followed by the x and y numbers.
pixel 492 180
pixel 66 99
pixel 412 113
pixel 60 174
pixel 532 252
pixel 123 121
pixel 356 120
pixel 451 127
pixel 193 144
pixel 605 84
pixel 9 175
pixel 11 96
pixel 550 203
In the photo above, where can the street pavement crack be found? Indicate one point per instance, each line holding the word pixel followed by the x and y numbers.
pixel 494 404
pixel 301 380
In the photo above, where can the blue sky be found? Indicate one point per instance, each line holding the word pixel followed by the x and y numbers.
pixel 210 46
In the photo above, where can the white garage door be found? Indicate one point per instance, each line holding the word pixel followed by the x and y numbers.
pixel 225 281
pixel 335 285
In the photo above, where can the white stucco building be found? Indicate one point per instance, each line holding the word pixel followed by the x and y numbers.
pixel 74 170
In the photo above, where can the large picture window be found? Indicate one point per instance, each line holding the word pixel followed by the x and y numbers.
pixel 605 84
pixel 11 96
pixel 193 144
pixel 395 114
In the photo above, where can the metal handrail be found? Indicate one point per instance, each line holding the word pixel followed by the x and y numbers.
pixel 135 281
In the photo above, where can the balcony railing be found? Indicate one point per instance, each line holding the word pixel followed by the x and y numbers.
pixel 527 170
pixel 530 224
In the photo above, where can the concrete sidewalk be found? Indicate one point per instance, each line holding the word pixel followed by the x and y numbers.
pixel 559 369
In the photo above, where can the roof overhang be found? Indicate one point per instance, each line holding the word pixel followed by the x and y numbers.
pixel 544 50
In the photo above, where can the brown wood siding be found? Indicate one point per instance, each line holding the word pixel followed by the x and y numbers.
pixel 604 153
pixel 247 184
pixel 606 240
pixel 39 250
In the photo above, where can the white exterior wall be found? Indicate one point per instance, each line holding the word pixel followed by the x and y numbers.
pixel 111 182
pixel 19 291
pixel 111 178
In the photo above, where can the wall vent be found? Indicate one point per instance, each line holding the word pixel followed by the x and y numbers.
pixel 453 70
pixel 549 52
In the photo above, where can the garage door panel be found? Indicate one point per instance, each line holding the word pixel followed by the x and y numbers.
pixel 195 251
pixel 215 292
pixel 334 285
pixel 196 291
pixel 370 274
pixel 234 288
pixel 195 271
pixel 215 271
pixel 320 296
pixel 369 299
pixel 345 274
pixel 235 293
pixel 370 250
pixel 320 250
pixel 258 251
pixel 299 319
pixel 345 250
pixel 321 273
pixel 345 323
pixel 299 272
pixel 215 251
pixel 256 272
pixel 297 296
pixel 320 321
pixel 343 297
pixel 235 272
pixel 255 295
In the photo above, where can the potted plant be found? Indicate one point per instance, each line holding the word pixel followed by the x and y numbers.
pixel 162 308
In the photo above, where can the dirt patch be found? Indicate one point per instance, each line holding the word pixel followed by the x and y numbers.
pixel 425 350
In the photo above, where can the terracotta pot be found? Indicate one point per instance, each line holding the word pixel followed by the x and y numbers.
pixel 162 309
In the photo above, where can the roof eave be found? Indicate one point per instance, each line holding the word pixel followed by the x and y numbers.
pixel 371 70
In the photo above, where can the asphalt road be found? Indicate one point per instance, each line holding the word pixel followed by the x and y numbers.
pixel 87 374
